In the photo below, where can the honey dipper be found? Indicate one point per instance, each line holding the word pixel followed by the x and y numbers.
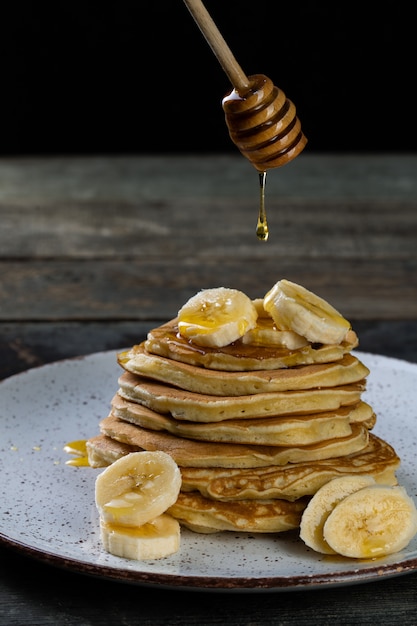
pixel 262 122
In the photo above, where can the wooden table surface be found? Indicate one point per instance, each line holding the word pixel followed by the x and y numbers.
pixel 95 251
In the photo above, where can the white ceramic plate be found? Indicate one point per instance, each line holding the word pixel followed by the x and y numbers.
pixel 48 511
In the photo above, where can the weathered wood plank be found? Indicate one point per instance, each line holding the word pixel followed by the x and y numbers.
pixel 36 180
pixel 114 238
pixel 155 289
pixel 199 228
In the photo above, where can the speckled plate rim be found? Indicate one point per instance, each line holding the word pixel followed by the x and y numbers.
pixel 47 510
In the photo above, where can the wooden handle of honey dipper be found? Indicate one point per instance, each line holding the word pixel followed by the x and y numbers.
pixel 220 48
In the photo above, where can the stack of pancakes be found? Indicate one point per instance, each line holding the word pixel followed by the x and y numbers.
pixel 256 430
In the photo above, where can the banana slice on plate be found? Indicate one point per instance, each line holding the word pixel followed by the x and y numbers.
pixel 137 488
pixel 292 307
pixel 372 522
pixel 322 504
pixel 216 317
pixel 154 540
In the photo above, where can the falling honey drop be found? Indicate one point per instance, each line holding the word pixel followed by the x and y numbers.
pixel 262 226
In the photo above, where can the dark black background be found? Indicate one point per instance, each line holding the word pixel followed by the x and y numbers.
pixel 138 76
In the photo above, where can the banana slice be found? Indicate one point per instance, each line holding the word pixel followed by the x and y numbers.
pixel 372 522
pixel 137 488
pixel 153 540
pixel 258 303
pixel 265 334
pixel 322 504
pixel 293 307
pixel 216 317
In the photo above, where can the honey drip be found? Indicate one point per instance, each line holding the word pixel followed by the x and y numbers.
pixel 78 450
pixel 262 226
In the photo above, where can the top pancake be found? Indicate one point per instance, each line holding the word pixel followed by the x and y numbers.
pixel 238 357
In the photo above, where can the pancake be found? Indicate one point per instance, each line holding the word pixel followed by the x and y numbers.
pixel 195 407
pixel 189 453
pixel 288 482
pixel 219 383
pixel 165 341
pixel 272 431
pixel 103 451
pixel 203 515
pixel 378 459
